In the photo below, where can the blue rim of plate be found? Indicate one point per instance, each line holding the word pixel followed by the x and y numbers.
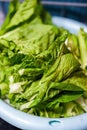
pixel 70 24
pixel 30 122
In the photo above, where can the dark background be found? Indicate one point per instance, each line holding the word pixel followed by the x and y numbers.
pixel 6 126
pixel 72 12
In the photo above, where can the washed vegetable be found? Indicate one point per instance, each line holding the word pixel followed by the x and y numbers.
pixel 43 68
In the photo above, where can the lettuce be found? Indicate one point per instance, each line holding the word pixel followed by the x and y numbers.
pixel 42 66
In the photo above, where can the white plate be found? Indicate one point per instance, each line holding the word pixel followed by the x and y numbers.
pixel 72 25
pixel 29 122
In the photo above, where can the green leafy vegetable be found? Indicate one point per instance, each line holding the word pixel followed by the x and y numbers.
pixel 14 5
pixel 42 66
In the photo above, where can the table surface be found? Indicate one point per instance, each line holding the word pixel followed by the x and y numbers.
pixel 5 126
